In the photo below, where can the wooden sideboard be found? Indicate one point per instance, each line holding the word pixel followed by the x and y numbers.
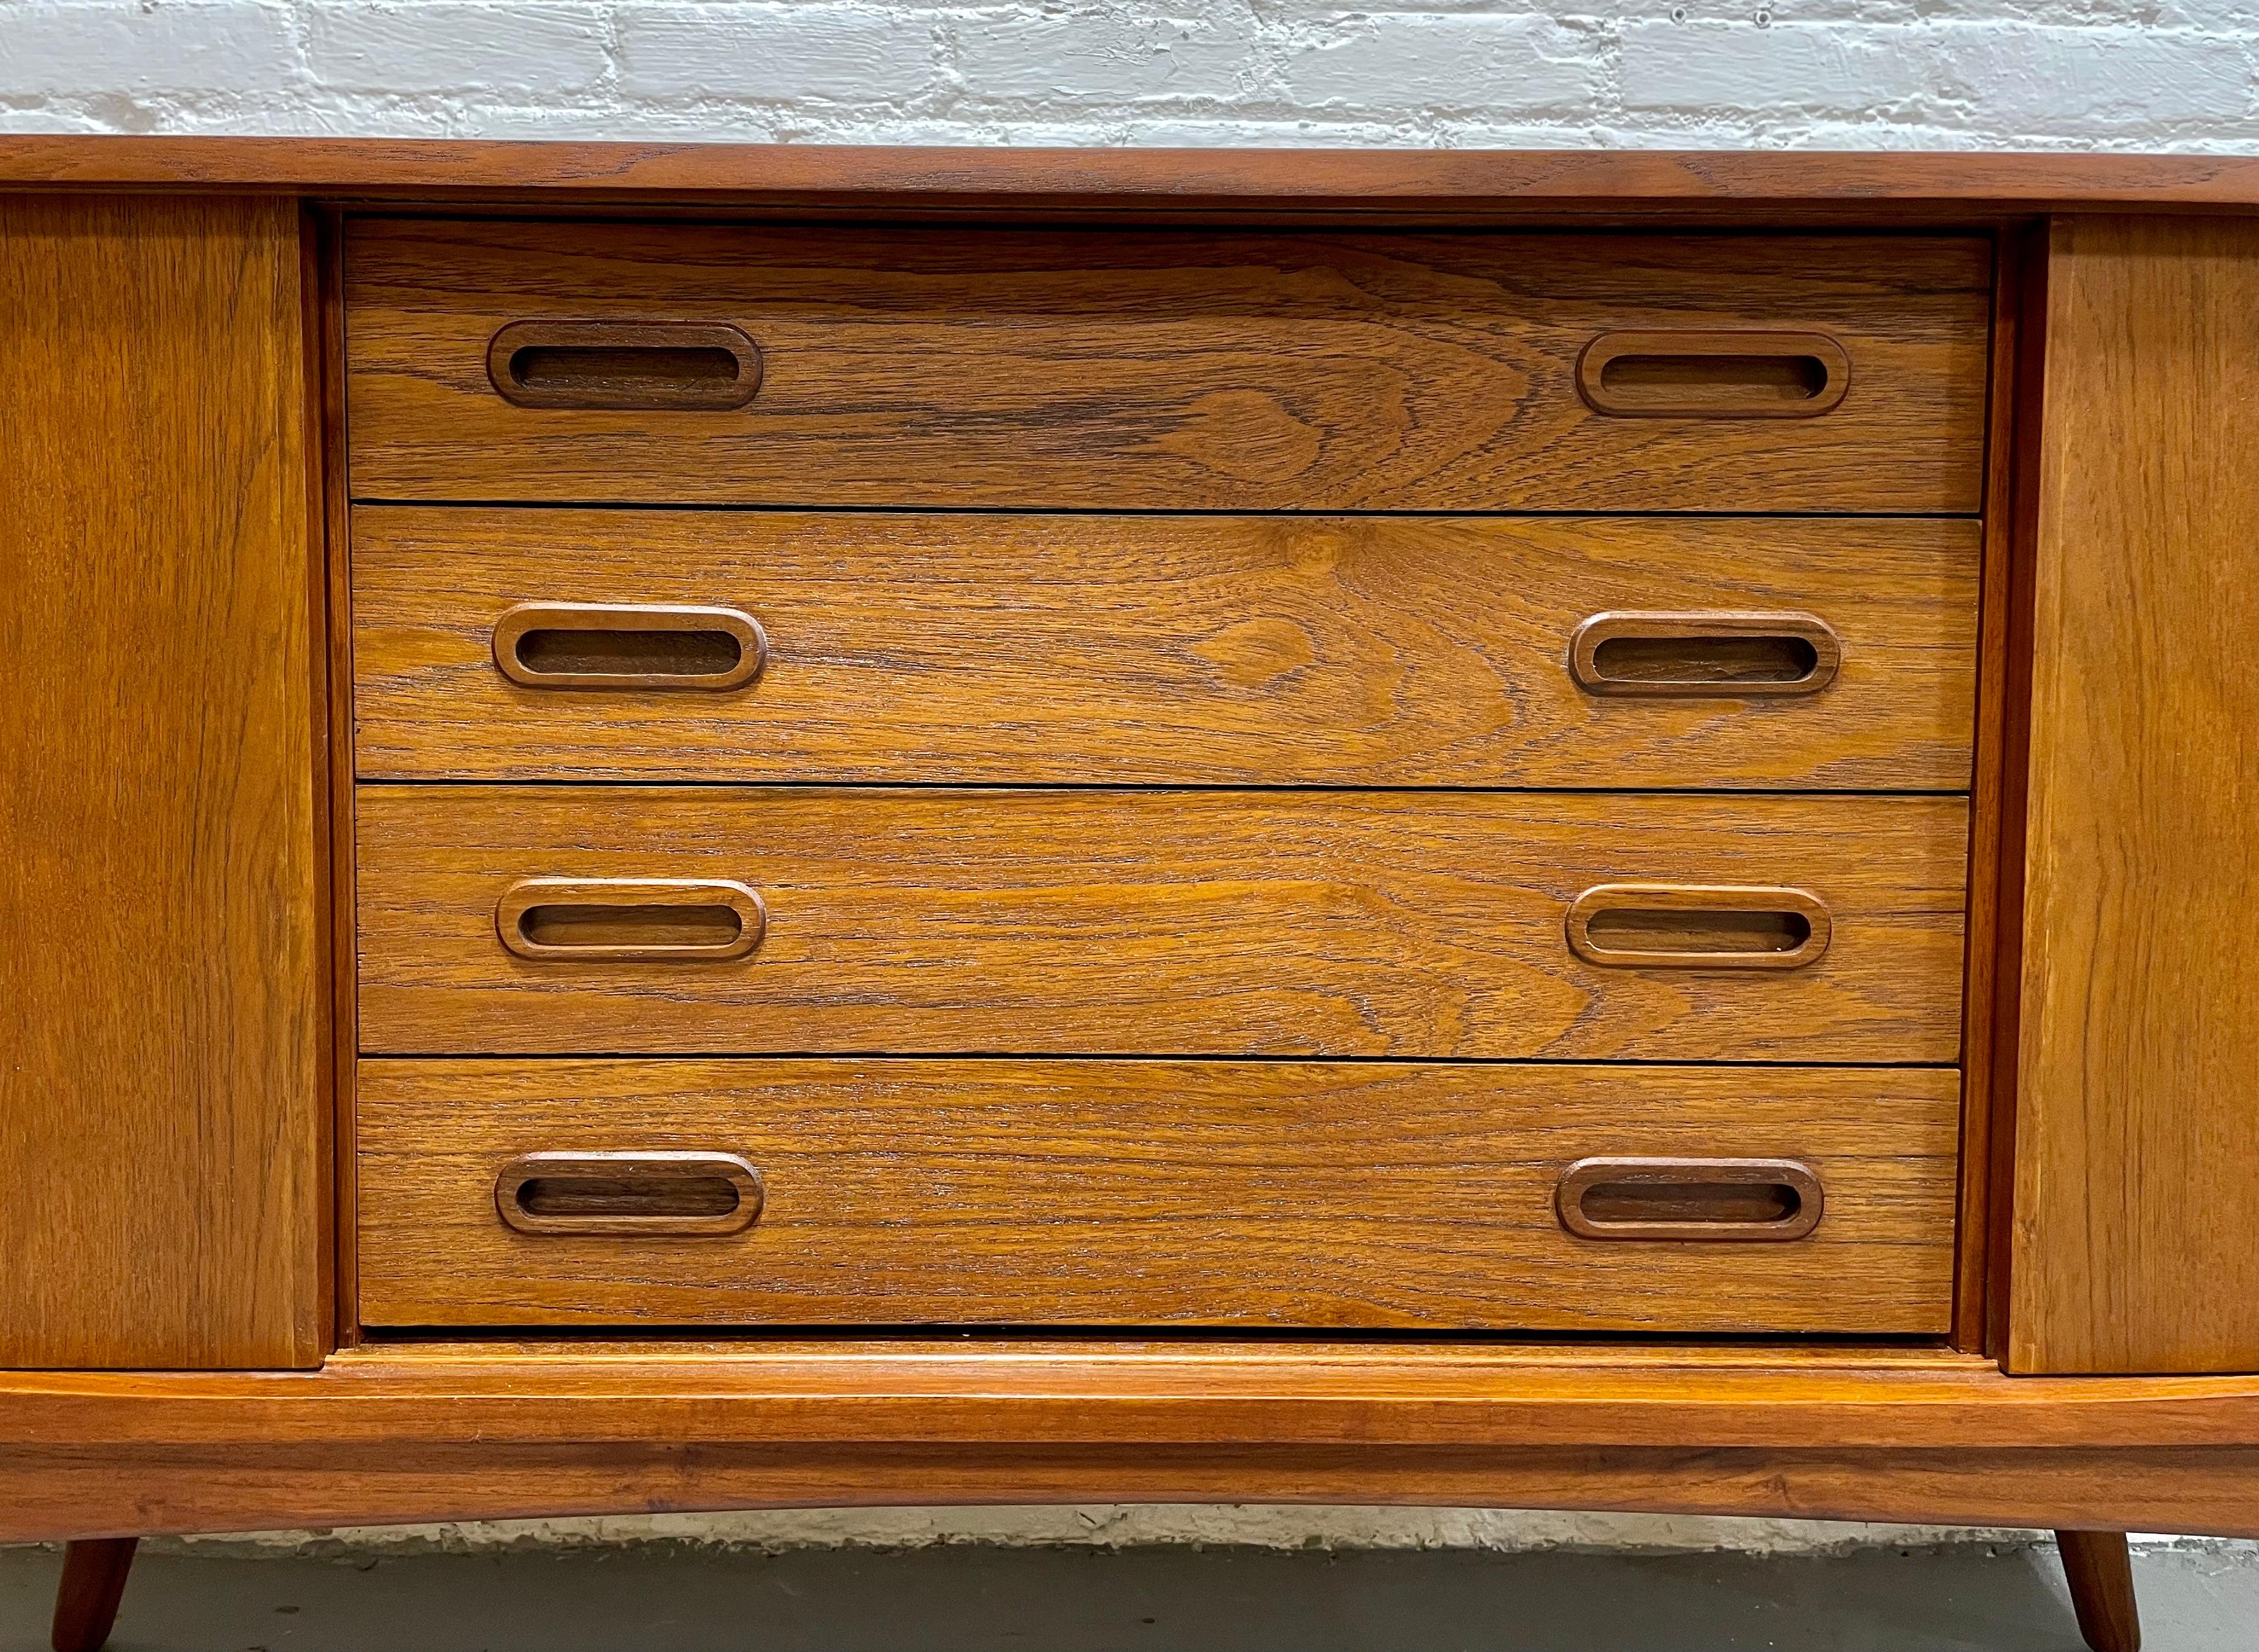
pixel 703 828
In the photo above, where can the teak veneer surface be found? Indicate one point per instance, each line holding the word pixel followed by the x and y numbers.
pixel 163 1045
pixel 46 1496
pixel 2136 1231
pixel 1728 185
pixel 1123 650
pixel 467 1429
pixel 168 1089
pixel 941 921
pixel 1165 369
pixel 1279 1193
pixel 960 1389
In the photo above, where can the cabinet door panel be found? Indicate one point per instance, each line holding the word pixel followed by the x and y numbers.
pixel 163 1089
pixel 2135 1241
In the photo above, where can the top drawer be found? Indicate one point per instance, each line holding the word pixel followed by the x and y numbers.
pixel 1176 369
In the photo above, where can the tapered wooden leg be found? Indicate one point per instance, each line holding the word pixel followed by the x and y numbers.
pixel 86 1600
pixel 2101 1575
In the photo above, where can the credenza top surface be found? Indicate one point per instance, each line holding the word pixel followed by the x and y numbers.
pixel 1429 185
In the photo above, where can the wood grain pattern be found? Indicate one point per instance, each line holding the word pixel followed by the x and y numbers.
pixel 952 1387
pixel 1064 1193
pixel 93 1583
pixel 2136 1208
pixel 2100 1573
pixel 325 351
pixel 1160 648
pixel 163 1139
pixel 1996 799
pixel 460 1429
pixel 1167 370
pixel 1437 185
pixel 932 922
pixel 47 1495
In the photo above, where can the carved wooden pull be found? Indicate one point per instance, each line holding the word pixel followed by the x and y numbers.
pixel 1712 373
pixel 644 1194
pixel 1698 927
pixel 1699 1199
pixel 680 366
pixel 1714 655
pixel 583 919
pixel 628 646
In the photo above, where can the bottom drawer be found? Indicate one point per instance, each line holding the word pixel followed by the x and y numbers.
pixel 1249 1194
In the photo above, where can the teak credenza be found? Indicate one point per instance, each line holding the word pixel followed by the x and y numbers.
pixel 695 828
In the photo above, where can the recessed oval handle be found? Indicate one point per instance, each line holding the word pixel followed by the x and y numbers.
pixel 661 1194
pixel 1712 373
pixel 1698 927
pixel 658 365
pixel 1699 1199
pixel 1705 655
pixel 629 645
pixel 584 919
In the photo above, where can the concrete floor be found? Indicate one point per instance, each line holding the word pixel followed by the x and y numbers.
pixel 656 1598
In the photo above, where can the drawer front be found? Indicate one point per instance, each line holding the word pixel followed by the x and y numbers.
pixel 1198 922
pixel 1750 652
pixel 1169 369
pixel 1066 1193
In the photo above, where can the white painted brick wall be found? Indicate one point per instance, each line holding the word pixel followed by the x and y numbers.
pixel 455 50
pixel 2117 73
pixel 2114 74
pixel 672 56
